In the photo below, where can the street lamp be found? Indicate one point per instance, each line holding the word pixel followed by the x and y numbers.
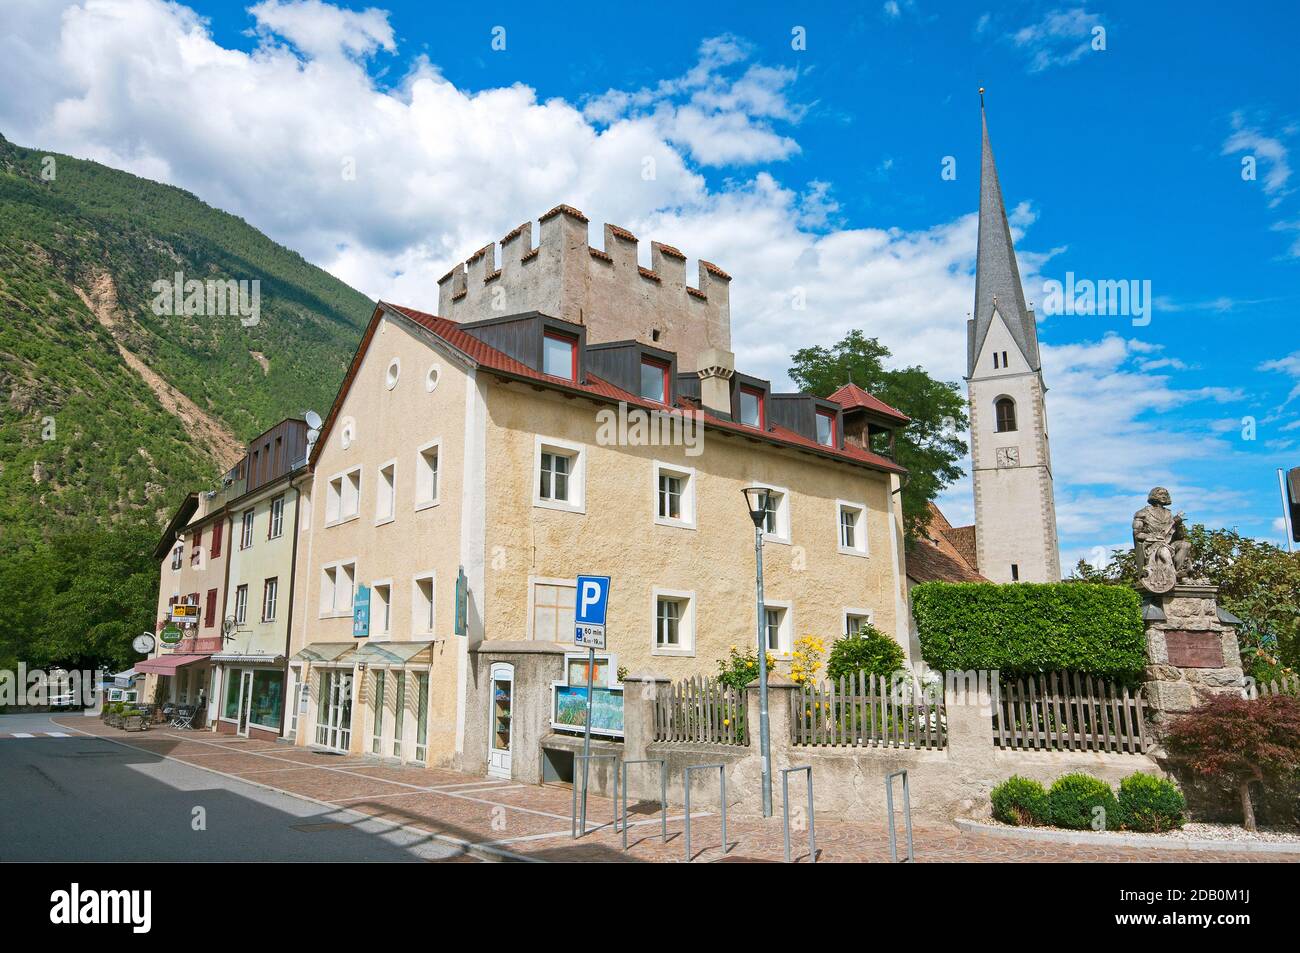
pixel 757 499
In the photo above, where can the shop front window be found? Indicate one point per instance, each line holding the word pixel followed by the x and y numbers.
pixel 422 717
pixel 268 699
pixel 231 709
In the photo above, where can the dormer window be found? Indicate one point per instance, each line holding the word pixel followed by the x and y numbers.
pixel 826 435
pixel 654 380
pixel 751 408
pixel 560 356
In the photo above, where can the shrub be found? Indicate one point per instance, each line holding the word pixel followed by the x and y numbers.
pixel 1020 801
pixel 1075 799
pixel 1234 742
pixel 739 669
pixel 1148 803
pixel 806 659
pixel 869 651
pixel 1026 628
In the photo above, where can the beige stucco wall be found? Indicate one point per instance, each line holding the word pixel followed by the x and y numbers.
pixel 388 426
pixel 618 536
pixel 1015 514
pixel 264 559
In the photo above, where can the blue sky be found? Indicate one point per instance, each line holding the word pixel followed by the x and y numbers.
pixel 815 169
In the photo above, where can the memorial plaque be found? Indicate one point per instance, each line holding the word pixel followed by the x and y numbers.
pixel 1195 649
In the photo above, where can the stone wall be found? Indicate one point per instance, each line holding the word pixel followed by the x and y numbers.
pixel 1192 650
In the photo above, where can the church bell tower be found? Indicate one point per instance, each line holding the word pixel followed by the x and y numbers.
pixel 1011 460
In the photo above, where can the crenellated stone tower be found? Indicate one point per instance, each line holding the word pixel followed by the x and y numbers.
pixel 605 289
pixel 1011 460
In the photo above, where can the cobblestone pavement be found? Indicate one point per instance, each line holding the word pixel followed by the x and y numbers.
pixel 496 818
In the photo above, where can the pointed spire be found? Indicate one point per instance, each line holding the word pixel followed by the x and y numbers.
pixel 997 275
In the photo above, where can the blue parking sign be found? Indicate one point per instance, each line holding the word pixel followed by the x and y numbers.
pixel 589 612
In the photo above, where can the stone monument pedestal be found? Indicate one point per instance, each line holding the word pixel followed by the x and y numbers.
pixel 1192 650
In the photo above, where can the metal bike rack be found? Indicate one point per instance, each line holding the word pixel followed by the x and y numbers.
pixel 785 808
pixel 663 795
pixel 573 819
pixel 722 796
pixel 907 816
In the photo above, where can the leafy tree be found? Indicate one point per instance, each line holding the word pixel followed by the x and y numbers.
pixel 930 446
pixel 1258 582
pixel 1236 742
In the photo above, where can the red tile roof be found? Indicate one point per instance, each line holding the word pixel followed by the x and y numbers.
pixel 946 553
pixel 851 395
pixel 487 356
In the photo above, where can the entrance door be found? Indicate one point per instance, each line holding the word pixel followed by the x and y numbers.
pixel 245 699
pixel 334 714
pixel 499 722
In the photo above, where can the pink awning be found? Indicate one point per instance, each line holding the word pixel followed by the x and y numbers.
pixel 168 664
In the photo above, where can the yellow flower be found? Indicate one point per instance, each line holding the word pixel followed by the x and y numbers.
pixel 726 722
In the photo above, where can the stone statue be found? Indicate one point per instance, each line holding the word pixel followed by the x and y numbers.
pixel 1160 544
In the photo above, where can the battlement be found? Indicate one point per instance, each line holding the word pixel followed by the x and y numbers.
pixel 606 289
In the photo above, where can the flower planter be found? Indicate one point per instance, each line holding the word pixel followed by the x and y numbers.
pixel 135 723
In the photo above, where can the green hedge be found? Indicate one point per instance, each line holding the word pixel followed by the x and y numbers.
pixel 1024 628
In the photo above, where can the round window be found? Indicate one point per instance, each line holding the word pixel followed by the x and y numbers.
pixel 394 371
pixel 431 380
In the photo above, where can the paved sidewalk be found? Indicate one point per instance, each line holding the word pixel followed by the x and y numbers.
pixel 496 819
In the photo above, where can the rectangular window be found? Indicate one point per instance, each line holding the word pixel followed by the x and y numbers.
pixel 343 496
pixel 381 608
pixel 246 532
pixel 776 628
pixel 266 705
pixel 380 703
pixel 670 496
pixel 328 583
pixel 776 515
pixel 217 529
pixel 241 605
pixel 654 380
pixel 277 518
pixel 178 553
pixel 426 475
pixel 386 493
pixel 233 680
pixel 210 610
pixel 270 592
pixel 422 605
pixel 668 624
pixel 855 622
pixel 555 476
pixel 399 712
pixel 826 428
pixel 674 495
pixel 422 717
pixel 560 356
pixel 334 500
pixel 751 408
pixel 674 622
pixel 553 612
pixel 852 528
pixel 336 589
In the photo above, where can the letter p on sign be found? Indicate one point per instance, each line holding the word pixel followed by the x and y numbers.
pixel 589 614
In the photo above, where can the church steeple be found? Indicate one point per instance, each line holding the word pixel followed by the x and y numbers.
pixel 997 275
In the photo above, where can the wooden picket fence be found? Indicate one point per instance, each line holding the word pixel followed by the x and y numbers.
pixel 1068 711
pixel 868 711
pixel 701 711
pixel 1281 686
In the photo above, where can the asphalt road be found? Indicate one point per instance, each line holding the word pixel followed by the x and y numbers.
pixel 87 799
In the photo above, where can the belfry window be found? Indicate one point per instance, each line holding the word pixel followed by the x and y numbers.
pixel 1004 409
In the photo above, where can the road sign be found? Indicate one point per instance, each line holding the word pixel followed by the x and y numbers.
pixel 184 612
pixel 361 613
pixel 589 614
pixel 171 634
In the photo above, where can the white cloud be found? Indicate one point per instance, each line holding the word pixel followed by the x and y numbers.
pixel 1269 152
pixel 321 30
pixel 1059 38
pixel 1289 365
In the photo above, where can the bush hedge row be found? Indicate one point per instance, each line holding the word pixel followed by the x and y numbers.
pixel 1082 802
pixel 1026 628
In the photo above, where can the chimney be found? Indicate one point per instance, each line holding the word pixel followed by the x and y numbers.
pixel 715 372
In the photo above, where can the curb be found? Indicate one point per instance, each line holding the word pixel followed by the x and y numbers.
pixel 1096 839
pixel 483 852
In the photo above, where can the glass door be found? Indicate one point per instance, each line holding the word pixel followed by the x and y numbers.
pixel 245 699
pixel 501 700
pixel 334 710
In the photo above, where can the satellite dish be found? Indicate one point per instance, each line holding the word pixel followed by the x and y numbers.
pixel 313 436
pixel 313 419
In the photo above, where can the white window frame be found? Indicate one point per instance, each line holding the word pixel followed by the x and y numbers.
pixel 274 594
pixel 380 482
pixel 385 633
pixel 241 604
pixel 247 524
pixel 782 534
pixel 577 502
pixel 178 557
pixel 686 624
pixel 423 501
pixel 860 546
pixel 785 631
pixel 418 606
pixel 869 614
pixel 533 583
pixel 336 499
pixel 334 610
pixel 687 474
pixel 276 529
